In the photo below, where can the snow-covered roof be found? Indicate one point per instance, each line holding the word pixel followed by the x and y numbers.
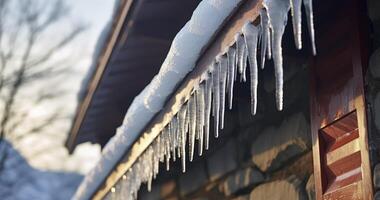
pixel 185 51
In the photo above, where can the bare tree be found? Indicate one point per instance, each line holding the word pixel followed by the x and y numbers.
pixel 26 58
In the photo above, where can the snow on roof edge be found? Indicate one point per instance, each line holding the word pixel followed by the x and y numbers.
pixel 185 50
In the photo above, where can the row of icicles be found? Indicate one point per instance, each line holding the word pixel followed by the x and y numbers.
pixel 192 122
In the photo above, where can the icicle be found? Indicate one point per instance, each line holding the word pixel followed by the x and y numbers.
pixel 231 74
pixel 174 133
pixel 244 63
pixel 296 13
pixel 192 126
pixel 278 16
pixel 182 122
pixel 310 22
pixel 240 54
pixel 208 100
pixel 179 135
pixel 251 34
pixel 216 103
pixel 200 116
pixel 223 62
pixel 265 37
pixel 167 138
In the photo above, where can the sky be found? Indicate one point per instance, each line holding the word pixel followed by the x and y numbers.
pixel 94 14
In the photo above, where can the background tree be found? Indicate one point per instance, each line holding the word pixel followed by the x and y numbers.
pixel 31 64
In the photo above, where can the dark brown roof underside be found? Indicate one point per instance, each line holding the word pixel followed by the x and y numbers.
pixel 140 49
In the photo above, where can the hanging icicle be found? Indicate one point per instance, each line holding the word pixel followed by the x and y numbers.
pixel 208 103
pixel 223 62
pixel 310 23
pixel 265 37
pixel 295 7
pixel 251 34
pixel 231 74
pixel 192 122
pixel 278 17
pixel 216 103
pixel 200 116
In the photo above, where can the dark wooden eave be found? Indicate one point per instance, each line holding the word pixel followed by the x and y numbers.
pixel 137 45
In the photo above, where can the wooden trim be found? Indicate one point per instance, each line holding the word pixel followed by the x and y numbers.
pixel 337 90
pixel 100 68
pixel 224 38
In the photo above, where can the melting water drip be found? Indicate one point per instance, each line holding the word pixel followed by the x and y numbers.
pixel 192 122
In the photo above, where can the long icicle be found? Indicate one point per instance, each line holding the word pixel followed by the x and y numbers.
pixel 192 125
pixel 223 62
pixel 296 13
pixel 182 131
pixel 200 116
pixel 216 103
pixel 310 22
pixel 265 36
pixel 251 34
pixel 231 74
pixel 278 17
pixel 244 62
pixel 240 54
pixel 208 102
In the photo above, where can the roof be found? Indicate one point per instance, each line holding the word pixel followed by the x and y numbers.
pixel 136 45
pixel 178 81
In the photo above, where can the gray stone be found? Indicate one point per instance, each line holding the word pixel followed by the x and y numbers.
pixel 374 63
pixel 241 179
pixel 310 188
pixel 194 178
pixel 376 176
pixel 376 112
pixel 276 145
pixel 222 161
pixel 279 190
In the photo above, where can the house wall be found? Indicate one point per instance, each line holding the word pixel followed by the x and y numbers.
pixel 373 92
pixel 267 156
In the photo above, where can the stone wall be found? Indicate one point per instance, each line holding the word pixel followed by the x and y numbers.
pixel 373 92
pixel 267 156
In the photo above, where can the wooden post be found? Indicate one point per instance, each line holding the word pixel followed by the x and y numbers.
pixel 338 112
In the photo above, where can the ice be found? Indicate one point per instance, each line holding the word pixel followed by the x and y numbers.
pixel 240 54
pixel 278 17
pixel 192 125
pixel 174 136
pixel 251 35
pixel 223 62
pixel 310 22
pixel 296 13
pixel 182 131
pixel 208 103
pixel 200 116
pixel 216 103
pixel 231 53
pixel 193 119
pixel 167 142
